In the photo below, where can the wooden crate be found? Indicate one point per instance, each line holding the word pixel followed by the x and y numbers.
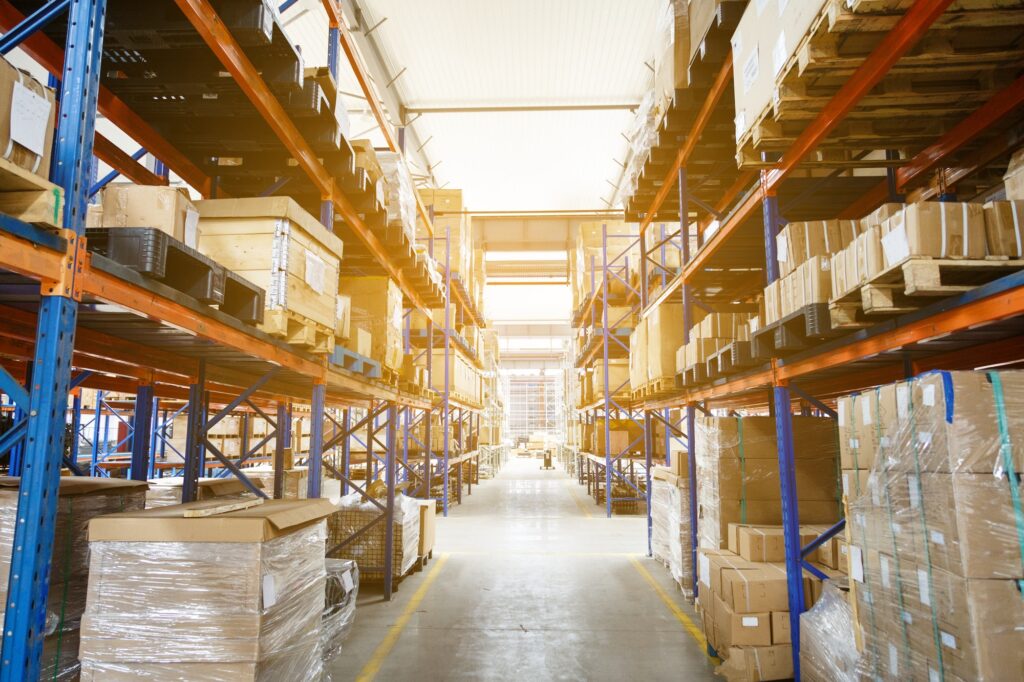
pixel 275 244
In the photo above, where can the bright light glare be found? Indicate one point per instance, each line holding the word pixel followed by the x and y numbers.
pixel 499 256
pixel 533 303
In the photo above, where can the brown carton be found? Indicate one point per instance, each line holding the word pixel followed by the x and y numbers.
pixel 781 627
pixel 935 230
pixel 27 120
pixel 1004 221
pixel 168 209
pixel 740 629
pixel 763 588
pixel 757 664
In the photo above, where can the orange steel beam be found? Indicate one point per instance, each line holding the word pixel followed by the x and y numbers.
pixel 116 157
pixel 722 81
pixel 51 57
pixel 370 93
pixel 1003 103
pixel 992 309
pixel 30 260
pixel 896 43
pixel 219 39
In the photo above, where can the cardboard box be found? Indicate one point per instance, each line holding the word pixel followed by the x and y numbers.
pixel 1004 221
pixel 376 306
pixel 754 664
pixel 664 337
pixel 1014 177
pixel 638 355
pixel 167 209
pixel 740 629
pixel 763 588
pixel 934 229
pixel 428 526
pixel 343 318
pixel 799 242
pixel 27 120
pixel 781 627
pixel 274 243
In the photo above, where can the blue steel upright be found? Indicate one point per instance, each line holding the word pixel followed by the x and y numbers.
pixel 316 441
pixel 790 516
pixel 142 427
pixel 28 584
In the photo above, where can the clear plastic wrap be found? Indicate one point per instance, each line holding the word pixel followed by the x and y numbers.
pixel 828 649
pixel 937 536
pixel 69 568
pixel 680 554
pixel 339 605
pixel 660 520
pixel 206 610
pixel 166 491
pixel 738 473
pixel 400 196
pixel 354 513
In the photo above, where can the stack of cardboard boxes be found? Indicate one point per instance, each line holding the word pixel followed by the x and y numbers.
pixel 176 594
pixel 664 337
pixel 376 319
pixel 670 517
pixel 738 473
pixel 711 333
pixel 743 599
pixel 79 501
pixel 935 540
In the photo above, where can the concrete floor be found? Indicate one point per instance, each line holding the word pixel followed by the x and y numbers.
pixel 529 581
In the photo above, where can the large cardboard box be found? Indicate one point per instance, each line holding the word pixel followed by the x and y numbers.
pixel 618 378
pixel 638 355
pixel 376 307
pixel 275 244
pixel 242 588
pixel 27 120
pixel 168 209
pixel 740 629
pixel 664 336
pixel 934 229
pixel 1004 221
pixel 1014 178
pixel 755 664
pixel 798 242
pixel 428 526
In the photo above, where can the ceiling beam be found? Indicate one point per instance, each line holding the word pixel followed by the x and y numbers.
pixel 514 108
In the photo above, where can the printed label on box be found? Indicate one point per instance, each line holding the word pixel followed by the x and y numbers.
pixel 751 621
pixel 192 228
pixel 751 70
pixel 703 569
pixel 856 564
pixel 316 273
pixel 895 246
pixel 29 115
pixel 269 591
pixel 928 395
pixel 865 412
pixel 922 587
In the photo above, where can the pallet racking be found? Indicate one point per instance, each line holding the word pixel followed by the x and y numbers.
pixel 77 319
pixel 739 213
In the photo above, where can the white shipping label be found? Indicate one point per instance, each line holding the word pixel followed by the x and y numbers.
pixel 937 537
pixel 928 395
pixel 192 228
pixel 902 401
pixel 316 273
pixel 751 70
pixel 895 246
pixel 922 587
pixel 856 564
pixel 948 640
pixel 841 413
pixel 30 113
pixel 924 438
pixel 269 591
pixel 751 621
pixel 704 569
pixel 933 675
pixel 779 54
pixel 894 660
pixel 865 412
pixel 854 443
pixel 846 484
pixel 884 562
pixel 741 127
pixel 782 247
pixel 346 581
pixel 914 491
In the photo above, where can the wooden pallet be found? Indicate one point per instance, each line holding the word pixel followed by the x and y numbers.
pixel 957 67
pixel 660 388
pixel 796 331
pixel 28 197
pixel 299 331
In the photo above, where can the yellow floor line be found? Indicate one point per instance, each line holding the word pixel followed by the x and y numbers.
pixel 372 667
pixel 680 615
pixel 576 498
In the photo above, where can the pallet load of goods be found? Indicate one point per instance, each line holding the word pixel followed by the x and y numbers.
pixel 742 592
pixel 588 258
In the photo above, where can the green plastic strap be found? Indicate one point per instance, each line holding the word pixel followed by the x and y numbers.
pixel 743 472
pixel 927 551
pixel 1006 454
pixel 56 204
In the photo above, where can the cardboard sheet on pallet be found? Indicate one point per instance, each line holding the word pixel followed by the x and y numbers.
pixel 264 522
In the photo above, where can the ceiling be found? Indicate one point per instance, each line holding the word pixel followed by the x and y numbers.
pixel 454 54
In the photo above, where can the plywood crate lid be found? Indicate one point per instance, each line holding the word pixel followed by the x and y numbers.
pixel 263 522
pixel 84 485
pixel 270 207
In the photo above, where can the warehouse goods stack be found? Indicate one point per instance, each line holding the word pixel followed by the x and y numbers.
pixel 194 592
pixel 738 473
pixel 80 500
pixel 166 491
pixel 713 335
pixel 375 305
pixel 352 514
pixel 671 531
pixel 743 599
pixel 935 539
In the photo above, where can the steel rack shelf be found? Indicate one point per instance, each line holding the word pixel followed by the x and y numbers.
pixel 735 257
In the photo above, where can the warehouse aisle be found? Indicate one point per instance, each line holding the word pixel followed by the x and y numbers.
pixel 529 582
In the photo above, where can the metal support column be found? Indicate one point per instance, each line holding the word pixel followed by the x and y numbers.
pixel 32 547
pixel 648 447
pixel 389 513
pixel 280 444
pixel 790 516
pixel 691 471
pixel 316 442
pixel 193 436
pixel 346 448
pixel 142 429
